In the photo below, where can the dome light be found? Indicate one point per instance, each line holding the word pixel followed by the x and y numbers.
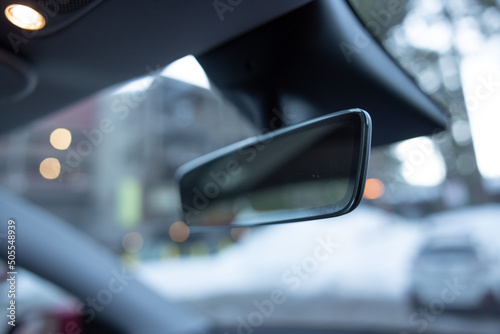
pixel 25 17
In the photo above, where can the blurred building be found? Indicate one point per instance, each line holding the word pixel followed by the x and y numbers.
pixel 117 175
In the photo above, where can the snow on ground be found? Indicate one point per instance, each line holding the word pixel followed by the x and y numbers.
pixel 481 224
pixel 370 256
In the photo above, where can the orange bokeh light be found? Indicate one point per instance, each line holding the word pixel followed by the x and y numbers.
pixel 374 188
pixel 179 232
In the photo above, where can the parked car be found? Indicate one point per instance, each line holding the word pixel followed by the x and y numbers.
pixel 454 271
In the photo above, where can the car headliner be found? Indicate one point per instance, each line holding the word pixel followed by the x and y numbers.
pixel 114 41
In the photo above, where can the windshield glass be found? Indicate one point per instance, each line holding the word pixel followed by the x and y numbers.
pixel 107 165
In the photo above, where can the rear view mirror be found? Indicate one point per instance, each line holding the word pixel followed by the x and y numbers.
pixel 312 170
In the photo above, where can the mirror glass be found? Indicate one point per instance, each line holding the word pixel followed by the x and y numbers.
pixel 312 170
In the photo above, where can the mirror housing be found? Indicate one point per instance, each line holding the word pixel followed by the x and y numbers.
pixel 312 170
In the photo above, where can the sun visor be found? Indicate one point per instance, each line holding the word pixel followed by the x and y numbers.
pixel 316 60
pixel 18 80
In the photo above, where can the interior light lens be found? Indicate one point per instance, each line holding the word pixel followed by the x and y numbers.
pixel 25 17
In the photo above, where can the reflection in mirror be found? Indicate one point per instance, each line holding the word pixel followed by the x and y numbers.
pixel 312 170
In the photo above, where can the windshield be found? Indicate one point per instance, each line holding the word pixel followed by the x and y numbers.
pixel 107 165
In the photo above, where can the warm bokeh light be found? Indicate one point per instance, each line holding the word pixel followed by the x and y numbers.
pixel 60 138
pixel 50 168
pixel 24 17
pixel 132 242
pixel 374 188
pixel 179 232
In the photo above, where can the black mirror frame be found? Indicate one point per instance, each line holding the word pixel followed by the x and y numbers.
pixel 359 177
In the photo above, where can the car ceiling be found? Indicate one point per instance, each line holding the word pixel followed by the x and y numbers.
pixel 100 43
pixel 118 41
